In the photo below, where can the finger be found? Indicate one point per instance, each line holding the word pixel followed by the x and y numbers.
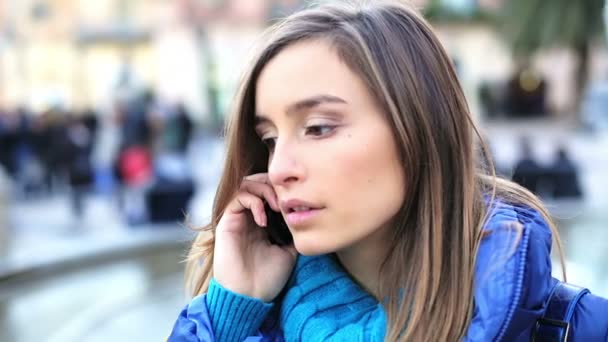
pixel 262 190
pixel 247 201
pixel 259 177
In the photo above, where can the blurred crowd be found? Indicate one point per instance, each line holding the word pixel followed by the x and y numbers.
pixel 54 151
pixel 556 180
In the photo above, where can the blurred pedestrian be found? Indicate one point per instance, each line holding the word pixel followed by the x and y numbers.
pixel 527 171
pixel 79 145
pixel 51 146
pixel 9 141
pixel 565 182
pixel 5 222
pixel 40 140
pixel 182 127
pixel 352 134
pixel 133 165
pixel 173 185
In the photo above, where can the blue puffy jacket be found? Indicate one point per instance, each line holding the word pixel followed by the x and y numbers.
pixel 513 284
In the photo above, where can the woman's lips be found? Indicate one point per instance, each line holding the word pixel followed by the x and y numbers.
pixel 298 212
pixel 299 218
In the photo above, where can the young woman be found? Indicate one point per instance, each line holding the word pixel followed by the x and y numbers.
pixel 352 125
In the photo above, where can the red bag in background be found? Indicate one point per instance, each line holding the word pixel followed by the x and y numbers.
pixel 135 165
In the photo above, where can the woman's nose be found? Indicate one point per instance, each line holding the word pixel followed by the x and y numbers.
pixel 283 166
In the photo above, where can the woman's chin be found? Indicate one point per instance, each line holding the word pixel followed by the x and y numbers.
pixel 312 247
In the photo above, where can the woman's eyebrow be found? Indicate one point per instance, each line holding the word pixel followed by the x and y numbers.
pixel 303 105
pixel 312 102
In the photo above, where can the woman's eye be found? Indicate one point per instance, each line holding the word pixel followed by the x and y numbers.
pixel 269 142
pixel 319 130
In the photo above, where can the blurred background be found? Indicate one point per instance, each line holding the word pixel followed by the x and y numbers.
pixel 110 132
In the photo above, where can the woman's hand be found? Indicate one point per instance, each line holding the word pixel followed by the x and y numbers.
pixel 244 260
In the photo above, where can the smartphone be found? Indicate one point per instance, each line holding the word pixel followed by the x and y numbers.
pixel 277 229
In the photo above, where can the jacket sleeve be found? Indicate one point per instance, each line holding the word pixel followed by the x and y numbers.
pixel 220 315
pixel 590 320
pixel 193 323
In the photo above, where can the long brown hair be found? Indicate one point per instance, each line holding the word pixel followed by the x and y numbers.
pixel 439 227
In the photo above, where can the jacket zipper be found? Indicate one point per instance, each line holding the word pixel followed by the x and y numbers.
pixel 518 285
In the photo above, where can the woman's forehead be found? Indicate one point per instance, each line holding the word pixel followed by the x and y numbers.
pixel 305 70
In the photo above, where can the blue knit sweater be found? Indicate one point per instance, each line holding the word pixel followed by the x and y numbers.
pixel 321 303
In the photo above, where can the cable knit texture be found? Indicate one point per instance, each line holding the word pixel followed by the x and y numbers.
pixel 322 303
pixel 233 316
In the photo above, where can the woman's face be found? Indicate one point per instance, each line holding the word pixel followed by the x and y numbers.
pixel 333 160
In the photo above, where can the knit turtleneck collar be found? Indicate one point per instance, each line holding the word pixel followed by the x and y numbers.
pixel 323 302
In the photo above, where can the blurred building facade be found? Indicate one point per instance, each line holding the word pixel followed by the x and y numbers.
pixel 79 53
pixel 69 52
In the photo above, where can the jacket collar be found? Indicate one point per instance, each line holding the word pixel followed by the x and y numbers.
pixel 512 275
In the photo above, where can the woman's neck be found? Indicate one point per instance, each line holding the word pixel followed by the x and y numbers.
pixel 363 259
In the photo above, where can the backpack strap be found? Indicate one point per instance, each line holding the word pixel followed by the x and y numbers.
pixel 554 325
